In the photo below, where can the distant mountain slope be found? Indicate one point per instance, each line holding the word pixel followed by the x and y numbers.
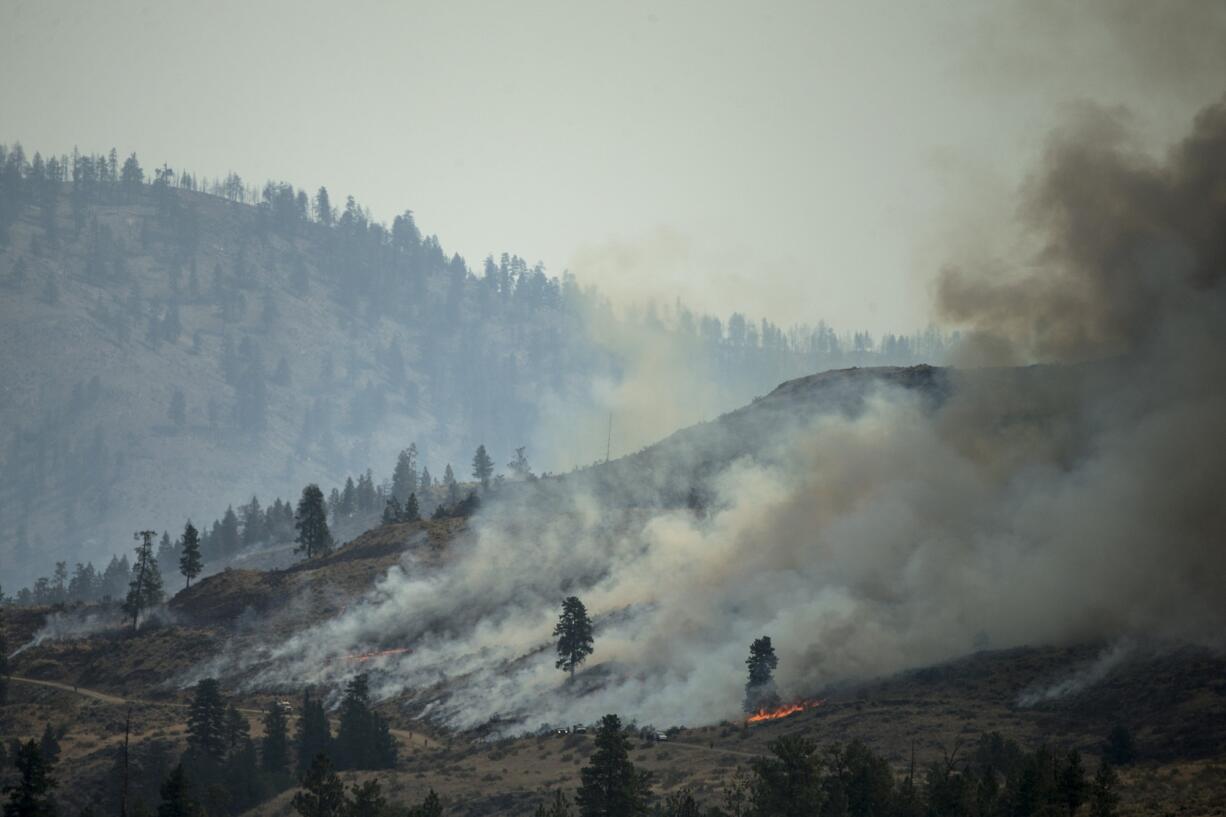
pixel 145 387
pixel 169 352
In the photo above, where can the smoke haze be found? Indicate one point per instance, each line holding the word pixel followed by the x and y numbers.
pixel 1066 502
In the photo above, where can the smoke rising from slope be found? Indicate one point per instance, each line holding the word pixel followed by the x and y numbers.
pixel 1082 678
pixel 65 625
pixel 1047 504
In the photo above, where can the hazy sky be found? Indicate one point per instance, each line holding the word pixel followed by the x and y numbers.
pixel 801 160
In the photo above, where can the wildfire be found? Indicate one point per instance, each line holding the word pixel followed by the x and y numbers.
pixel 361 658
pixel 783 711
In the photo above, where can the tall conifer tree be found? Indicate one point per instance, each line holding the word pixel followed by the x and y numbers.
pixel 190 563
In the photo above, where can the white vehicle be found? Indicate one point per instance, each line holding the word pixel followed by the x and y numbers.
pixel 661 736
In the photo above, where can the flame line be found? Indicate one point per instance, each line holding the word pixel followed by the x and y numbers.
pixel 783 711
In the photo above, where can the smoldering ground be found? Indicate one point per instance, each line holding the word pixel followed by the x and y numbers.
pixel 60 625
pixel 1066 502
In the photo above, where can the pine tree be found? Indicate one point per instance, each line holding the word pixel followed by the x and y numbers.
pixel 238 731
pixel 253 523
pixel 167 553
pixel 367 800
pixel 274 749
pixel 145 589
pixel 1071 783
pixel 404 477
pixel 242 779
pixel 430 806
pixel 49 745
pixel 411 512
pixel 453 488
pixel 132 177
pixel 391 511
pixel 483 467
pixel 314 734
pixel 366 495
pixel 791 781
pixel 311 521
pixel 55 588
pixel 322 793
pixel 176 795
pixel 229 540
pixel 363 740
pixel 611 785
pixel 349 499
pixel 760 688
pixel 116 577
pixel 84 585
pixel 206 722
pixel 59 583
pixel 190 563
pixel 519 465
pixel 30 795
pixel 1103 798
pixel 574 634
pixel 425 486
pixel 323 207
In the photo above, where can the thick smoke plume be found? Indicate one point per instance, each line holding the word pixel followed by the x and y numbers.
pixel 893 522
pixel 1132 250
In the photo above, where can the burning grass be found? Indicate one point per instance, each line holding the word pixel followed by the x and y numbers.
pixel 784 711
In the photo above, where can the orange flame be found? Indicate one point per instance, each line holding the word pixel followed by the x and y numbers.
pixel 783 711
pixel 370 656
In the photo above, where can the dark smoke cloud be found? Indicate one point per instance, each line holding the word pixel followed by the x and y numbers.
pixel 1128 275
pixel 1131 250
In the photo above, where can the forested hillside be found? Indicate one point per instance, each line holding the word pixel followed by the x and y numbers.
pixel 174 345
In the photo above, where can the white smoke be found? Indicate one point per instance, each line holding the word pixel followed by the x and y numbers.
pixel 1081 678
pixel 60 626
